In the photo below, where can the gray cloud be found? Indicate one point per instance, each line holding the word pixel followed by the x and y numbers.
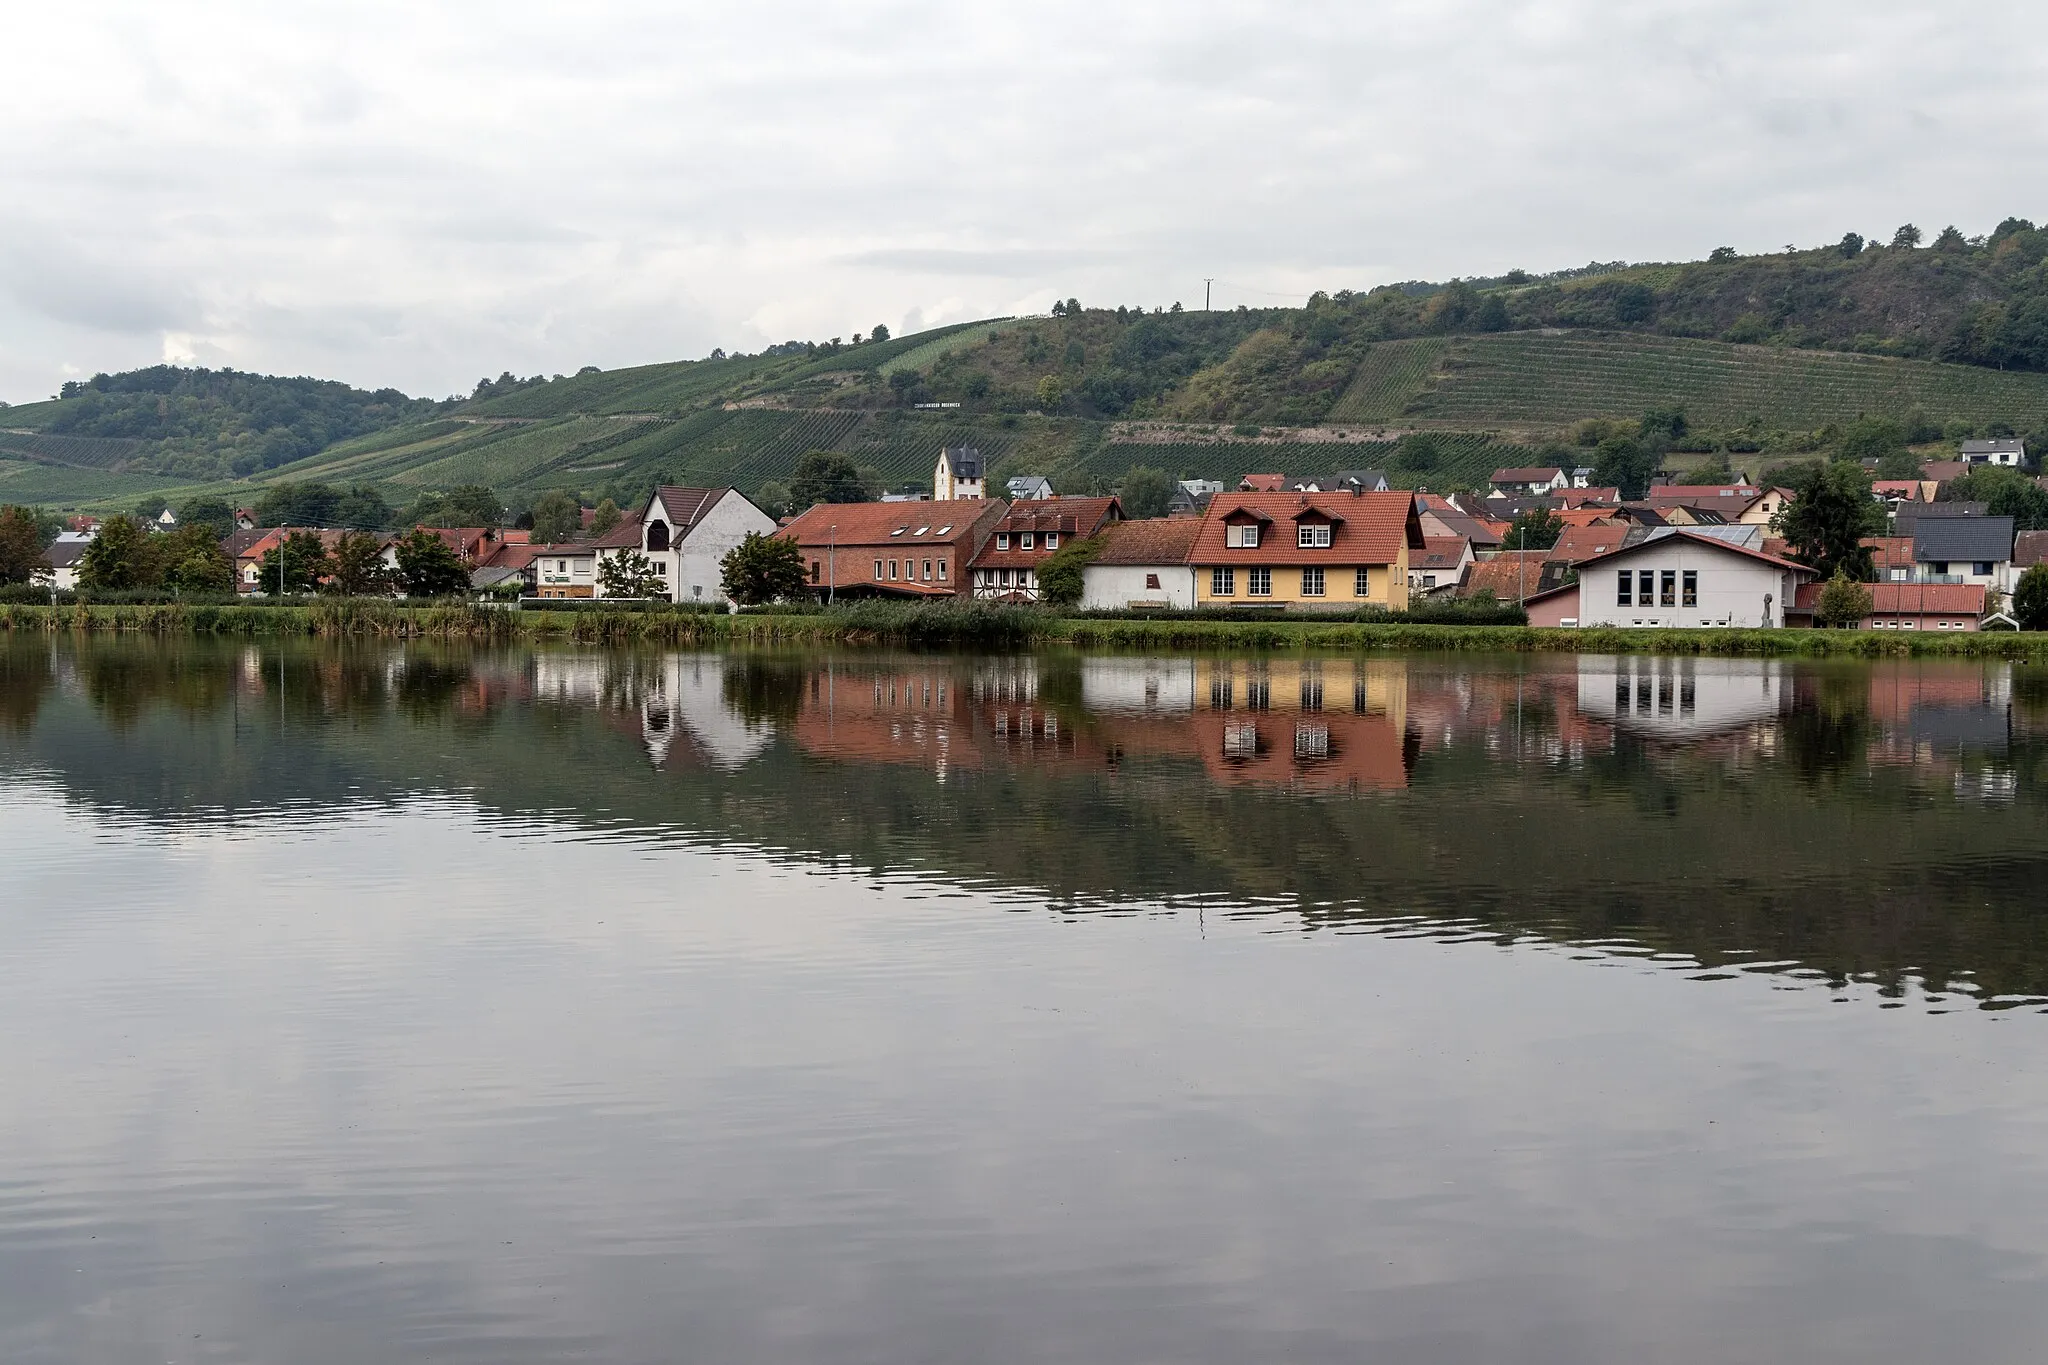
pixel 419 195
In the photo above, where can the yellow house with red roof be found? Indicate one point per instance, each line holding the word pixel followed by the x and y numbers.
pixel 1306 551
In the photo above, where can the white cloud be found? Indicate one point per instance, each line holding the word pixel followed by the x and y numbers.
pixel 418 195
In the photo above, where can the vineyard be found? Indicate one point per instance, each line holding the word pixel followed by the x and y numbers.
pixel 82 452
pixel 1464 460
pixel 1388 379
pixel 1544 378
pixel 950 339
pixel 68 485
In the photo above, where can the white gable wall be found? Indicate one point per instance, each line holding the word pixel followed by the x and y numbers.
pixel 1732 588
pixel 695 565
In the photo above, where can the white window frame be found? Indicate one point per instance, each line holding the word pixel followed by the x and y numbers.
pixel 1024 540
pixel 1002 540
pixel 1245 537
pixel 1052 540
pixel 1222 582
pixel 1312 581
pixel 1361 582
pixel 1312 537
pixel 1258 582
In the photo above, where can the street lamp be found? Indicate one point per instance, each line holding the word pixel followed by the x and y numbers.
pixel 831 563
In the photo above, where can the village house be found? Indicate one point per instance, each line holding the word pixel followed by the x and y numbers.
pixel 1919 606
pixel 1029 488
pixel 1142 564
pixel 1681 578
pixel 893 549
pixel 2008 451
pixel 1964 550
pixel 1440 563
pixel 1006 566
pixel 1306 551
pixel 1744 503
pixel 958 475
pixel 556 571
pixel 685 533
pixel 63 557
pixel 1532 482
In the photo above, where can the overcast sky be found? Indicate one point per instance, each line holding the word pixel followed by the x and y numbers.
pixel 419 195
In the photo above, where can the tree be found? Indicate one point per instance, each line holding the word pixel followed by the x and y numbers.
pixel 1906 238
pixel 192 560
pixel 1842 602
pixel 762 569
pixel 428 568
pixel 880 333
pixel 824 476
pixel 1830 513
pixel 630 574
pixel 120 557
pixel 1899 464
pixel 2030 599
pixel 1851 244
pixel 556 517
pixel 1145 492
pixel 1662 427
pixel 1623 462
pixel 773 498
pixel 304 560
pixel 1949 239
pixel 356 567
pixel 1721 255
pixel 319 504
pixel 1061 579
pixel 1715 471
pixel 605 517
pixel 1870 438
pixel 215 515
pixel 1536 529
pixel 1051 390
pixel 21 547
pixel 1419 451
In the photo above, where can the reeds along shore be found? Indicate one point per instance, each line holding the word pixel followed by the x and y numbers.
pixel 978 625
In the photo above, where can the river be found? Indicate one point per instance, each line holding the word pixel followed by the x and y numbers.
pixel 378 1003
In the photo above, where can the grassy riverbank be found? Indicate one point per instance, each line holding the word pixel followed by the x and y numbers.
pixel 983 626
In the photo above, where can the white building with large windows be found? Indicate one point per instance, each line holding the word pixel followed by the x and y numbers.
pixel 1675 580
pixel 686 534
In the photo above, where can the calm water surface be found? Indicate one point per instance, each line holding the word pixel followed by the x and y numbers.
pixel 376 1004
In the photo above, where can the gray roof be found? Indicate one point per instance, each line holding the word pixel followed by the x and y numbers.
pixel 1371 480
pixel 1962 539
pixel 965 461
pixel 1030 486
pixel 1913 511
pixel 66 553
pixel 2000 445
pixel 1746 537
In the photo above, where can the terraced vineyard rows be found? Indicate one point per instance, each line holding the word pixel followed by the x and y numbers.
pixel 70 485
pixel 905 452
pixel 1392 374
pixel 952 339
pixel 82 452
pixel 506 457
pixel 1537 378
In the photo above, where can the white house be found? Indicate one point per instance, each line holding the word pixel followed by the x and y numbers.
pixel 2008 451
pixel 686 533
pixel 1974 550
pixel 63 557
pixel 1030 488
pixel 1673 697
pixel 1143 565
pixel 958 475
pixel 1677 580
pixel 1530 482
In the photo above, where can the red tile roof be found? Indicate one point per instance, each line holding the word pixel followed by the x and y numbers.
pixel 1439 552
pixel 624 536
pixel 1509 575
pixel 2028 549
pixel 1926 599
pixel 685 505
pixel 1579 543
pixel 1264 483
pixel 1366 528
pixel 1890 552
pixel 1162 540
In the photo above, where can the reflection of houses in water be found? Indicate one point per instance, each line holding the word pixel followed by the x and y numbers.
pixel 1320 724
pixel 1666 697
pixel 685 695
pixel 1138 685
pixel 1928 711
pixel 916 715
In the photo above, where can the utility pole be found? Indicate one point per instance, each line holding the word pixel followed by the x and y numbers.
pixel 1206 282
pixel 831 564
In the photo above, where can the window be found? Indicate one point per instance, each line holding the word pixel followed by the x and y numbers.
pixel 1241 537
pixel 1024 541
pixel 1668 597
pixel 1151 582
pixel 1312 537
pixel 892 568
pixel 1052 540
pixel 1898 575
pixel 1259 583
pixel 1222 582
pixel 1429 580
pixel 942 571
pixel 1624 589
pixel 1311 694
pixel 1691 596
pixel 1939 566
pixel 927 571
pixel 1311 741
pixel 1219 693
pixel 1646 588
pixel 1361 583
pixel 814 571
pixel 1002 540
pixel 1240 741
pixel 1982 568
pixel 878 571
pixel 1311 582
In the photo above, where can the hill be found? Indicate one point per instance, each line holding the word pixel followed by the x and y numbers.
pixel 1774 354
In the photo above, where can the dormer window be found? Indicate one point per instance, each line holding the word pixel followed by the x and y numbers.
pixel 1052 540
pixel 1002 540
pixel 1312 537
pixel 1024 540
pixel 1245 537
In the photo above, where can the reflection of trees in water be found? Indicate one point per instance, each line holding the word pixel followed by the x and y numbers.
pixel 26 676
pixel 766 687
pixel 1827 731
pixel 124 681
